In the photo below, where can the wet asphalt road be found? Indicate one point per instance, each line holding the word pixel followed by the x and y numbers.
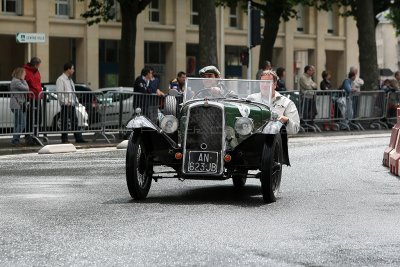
pixel 338 207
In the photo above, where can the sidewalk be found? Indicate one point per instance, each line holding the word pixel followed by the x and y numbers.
pixel 6 148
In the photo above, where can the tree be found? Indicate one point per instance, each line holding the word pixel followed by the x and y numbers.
pixel 102 10
pixel 394 14
pixel 364 12
pixel 273 12
pixel 207 33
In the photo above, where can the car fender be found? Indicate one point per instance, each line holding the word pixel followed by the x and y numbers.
pixel 277 127
pixel 141 122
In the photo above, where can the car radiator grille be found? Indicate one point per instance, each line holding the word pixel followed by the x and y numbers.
pixel 205 128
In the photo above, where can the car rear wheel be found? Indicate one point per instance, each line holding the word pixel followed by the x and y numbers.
pixel 138 169
pixel 271 168
pixel 57 123
pixel 239 178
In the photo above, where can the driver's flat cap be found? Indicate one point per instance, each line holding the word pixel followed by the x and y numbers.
pixel 209 69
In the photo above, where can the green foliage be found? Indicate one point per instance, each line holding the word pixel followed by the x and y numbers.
pixel 394 15
pixel 99 11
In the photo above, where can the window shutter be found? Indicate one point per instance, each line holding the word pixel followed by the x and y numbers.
pixel 71 9
pixel 19 7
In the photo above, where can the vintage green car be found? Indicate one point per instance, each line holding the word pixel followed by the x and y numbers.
pixel 214 134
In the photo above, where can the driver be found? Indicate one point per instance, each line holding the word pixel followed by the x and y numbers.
pixel 213 73
pixel 283 106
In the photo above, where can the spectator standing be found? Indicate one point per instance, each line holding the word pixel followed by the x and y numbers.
pixel 347 107
pixel 18 103
pixel 281 72
pixel 154 84
pixel 142 82
pixel 68 102
pixel 267 66
pixel 326 81
pixel 306 86
pixel 358 82
pixel 33 79
pixel 326 85
pixel 283 106
pixel 396 81
pixel 179 82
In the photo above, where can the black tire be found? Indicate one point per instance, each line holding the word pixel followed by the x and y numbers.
pixel 170 105
pixel 57 124
pixel 138 169
pixel 239 178
pixel 271 169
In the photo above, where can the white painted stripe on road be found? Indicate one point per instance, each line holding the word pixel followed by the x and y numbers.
pixel 123 145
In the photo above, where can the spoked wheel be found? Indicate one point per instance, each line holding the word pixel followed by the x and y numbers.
pixel 239 178
pixel 271 169
pixel 138 169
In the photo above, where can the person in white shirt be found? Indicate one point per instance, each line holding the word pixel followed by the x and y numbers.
pixel 68 101
pixel 283 106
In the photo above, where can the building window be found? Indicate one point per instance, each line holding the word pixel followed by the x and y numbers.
pixel 9 6
pixel 194 12
pixel 154 11
pixel 233 16
pixel 300 18
pixel 331 22
pixel 62 8
pixel 154 53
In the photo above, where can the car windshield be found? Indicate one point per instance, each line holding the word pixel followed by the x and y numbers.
pixel 254 90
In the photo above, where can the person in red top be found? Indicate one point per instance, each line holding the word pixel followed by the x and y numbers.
pixel 32 77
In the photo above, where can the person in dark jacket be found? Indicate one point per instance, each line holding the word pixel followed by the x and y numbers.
pixel 326 81
pixel 142 82
pixel 281 72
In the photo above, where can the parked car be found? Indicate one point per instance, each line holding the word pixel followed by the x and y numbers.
pixel 51 107
pixel 86 96
pixel 212 137
pixel 116 104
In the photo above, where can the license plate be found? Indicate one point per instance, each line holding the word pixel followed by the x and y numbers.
pixel 203 162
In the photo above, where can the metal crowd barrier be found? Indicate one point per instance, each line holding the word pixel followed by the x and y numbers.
pixel 7 115
pixel 392 103
pixel 109 112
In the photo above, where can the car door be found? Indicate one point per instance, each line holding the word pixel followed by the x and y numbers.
pixel 6 116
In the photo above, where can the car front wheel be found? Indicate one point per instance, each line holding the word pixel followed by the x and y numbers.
pixel 138 169
pixel 271 169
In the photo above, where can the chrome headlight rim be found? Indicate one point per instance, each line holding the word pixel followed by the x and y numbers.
pixel 169 124
pixel 244 126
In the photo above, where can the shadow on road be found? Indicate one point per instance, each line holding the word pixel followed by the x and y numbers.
pixel 249 196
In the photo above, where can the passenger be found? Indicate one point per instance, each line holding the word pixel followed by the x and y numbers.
pixel 283 106
pixel 281 72
pixel 18 103
pixel 68 102
pixel 179 82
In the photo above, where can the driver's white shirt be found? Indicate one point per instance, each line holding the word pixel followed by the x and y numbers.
pixel 283 106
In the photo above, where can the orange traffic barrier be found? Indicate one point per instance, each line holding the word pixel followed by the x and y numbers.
pixel 394 155
pixel 393 141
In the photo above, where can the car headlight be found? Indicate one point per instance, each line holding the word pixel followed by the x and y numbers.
pixel 169 124
pixel 244 126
